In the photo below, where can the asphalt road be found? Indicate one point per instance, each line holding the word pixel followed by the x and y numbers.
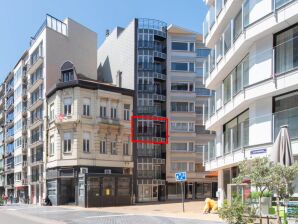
pixel 29 214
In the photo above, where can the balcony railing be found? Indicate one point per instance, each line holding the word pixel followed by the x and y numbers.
pixel 243 75
pixel 251 11
pixel 53 23
pixel 264 129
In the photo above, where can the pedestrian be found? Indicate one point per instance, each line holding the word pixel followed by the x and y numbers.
pixel 11 198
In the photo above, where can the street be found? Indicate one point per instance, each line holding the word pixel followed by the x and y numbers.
pixel 29 214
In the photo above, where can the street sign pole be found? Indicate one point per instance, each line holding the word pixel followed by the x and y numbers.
pixel 181 177
pixel 182 194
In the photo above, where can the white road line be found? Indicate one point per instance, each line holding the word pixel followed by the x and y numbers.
pixel 107 216
pixel 53 211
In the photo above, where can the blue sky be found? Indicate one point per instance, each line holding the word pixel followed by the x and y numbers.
pixel 20 19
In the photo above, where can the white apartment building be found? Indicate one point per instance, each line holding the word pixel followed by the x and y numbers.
pixel 35 74
pixel 252 66
pixel 187 99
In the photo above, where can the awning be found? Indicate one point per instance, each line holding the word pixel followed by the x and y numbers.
pixel 211 174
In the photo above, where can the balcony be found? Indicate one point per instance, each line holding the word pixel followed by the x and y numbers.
pixel 108 121
pixel 33 105
pixel 159 28
pixel 236 41
pixel 257 133
pixel 34 123
pixel 52 23
pixel 35 84
pixel 35 159
pixel 36 140
pixel 151 110
pixel 33 65
pixel 242 86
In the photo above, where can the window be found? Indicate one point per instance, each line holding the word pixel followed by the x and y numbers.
pixel 182 126
pixel 182 107
pixel 67 75
pixel 67 106
pixel 183 46
pixel 126 112
pixel 67 142
pixel 202 52
pixel 103 111
pixel 18 176
pixel 103 149
pixel 125 149
pixel 237 25
pixel 179 166
pixel 191 167
pixel 86 142
pixel 37 94
pixel 179 146
pixel 182 66
pixel 203 92
pixel 52 112
pixel 227 89
pixel 36 75
pixel 219 50
pixel 52 145
pixel 18 142
pixel 236 132
pixel 113 148
pixel 86 106
pixel 227 38
pixel 113 112
pixel 286 50
pixel 179 46
pixel 182 87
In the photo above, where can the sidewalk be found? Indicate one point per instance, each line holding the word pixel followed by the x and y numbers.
pixel 193 210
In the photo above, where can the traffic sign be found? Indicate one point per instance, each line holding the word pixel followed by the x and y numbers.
pixel 181 176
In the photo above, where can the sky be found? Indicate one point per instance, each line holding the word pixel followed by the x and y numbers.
pixel 20 19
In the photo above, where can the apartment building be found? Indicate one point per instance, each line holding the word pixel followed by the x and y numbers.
pixel 252 66
pixel 2 120
pixel 135 57
pixel 187 100
pixel 23 93
pixel 89 142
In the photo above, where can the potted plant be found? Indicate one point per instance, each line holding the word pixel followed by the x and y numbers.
pixel 266 201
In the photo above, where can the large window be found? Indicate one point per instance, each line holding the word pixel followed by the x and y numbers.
pixel 52 145
pixel 67 106
pixel 67 142
pixel 202 52
pixel 286 113
pixel 227 89
pixel 86 142
pixel 52 112
pixel 286 50
pixel 182 107
pixel 237 25
pixel 182 66
pixel 126 112
pixel 236 132
pixel 86 106
pixel 125 149
pixel 227 38
pixel 182 86
pixel 182 126
pixel 182 46
pixel 36 75
pixel 103 147
pixel 67 75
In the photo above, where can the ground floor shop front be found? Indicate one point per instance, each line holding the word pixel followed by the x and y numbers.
pixel 192 190
pixel 95 188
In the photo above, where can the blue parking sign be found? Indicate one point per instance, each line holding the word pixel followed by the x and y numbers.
pixel 181 176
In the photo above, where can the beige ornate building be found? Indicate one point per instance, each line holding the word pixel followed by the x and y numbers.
pixel 88 132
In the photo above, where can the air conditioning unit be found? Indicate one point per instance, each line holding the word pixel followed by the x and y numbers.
pixel 83 170
pixel 108 171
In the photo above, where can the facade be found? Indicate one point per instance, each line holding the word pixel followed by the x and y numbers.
pixel 135 57
pixel 89 143
pixel 187 100
pixel 23 105
pixel 252 66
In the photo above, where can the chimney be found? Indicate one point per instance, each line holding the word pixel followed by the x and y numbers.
pixel 107 32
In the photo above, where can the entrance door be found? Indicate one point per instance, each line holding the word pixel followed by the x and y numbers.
pixel 189 190
pixel 155 193
pixel 214 189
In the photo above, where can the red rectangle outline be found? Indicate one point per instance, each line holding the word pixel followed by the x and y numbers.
pixel 146 117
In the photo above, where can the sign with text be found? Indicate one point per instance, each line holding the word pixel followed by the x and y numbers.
pixel 258 151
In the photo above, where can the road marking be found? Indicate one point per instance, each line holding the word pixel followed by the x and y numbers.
pixel 107 216
pixel 68 210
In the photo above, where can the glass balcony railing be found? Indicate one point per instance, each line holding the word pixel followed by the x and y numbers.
pixel 281 57
pixel 52 23
pixel 242 134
